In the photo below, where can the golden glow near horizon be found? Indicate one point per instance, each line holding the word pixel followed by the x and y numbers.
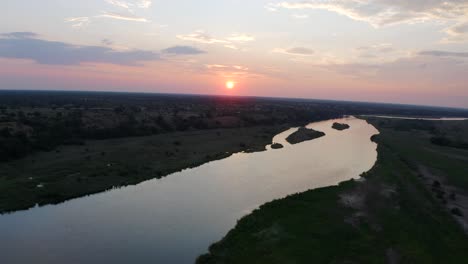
pixel 230 85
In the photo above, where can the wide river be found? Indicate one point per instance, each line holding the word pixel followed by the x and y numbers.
pixel 175 219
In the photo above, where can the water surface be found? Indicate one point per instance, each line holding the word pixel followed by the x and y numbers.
pixel 175 219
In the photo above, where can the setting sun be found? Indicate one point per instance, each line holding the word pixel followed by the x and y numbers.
pixel 230 84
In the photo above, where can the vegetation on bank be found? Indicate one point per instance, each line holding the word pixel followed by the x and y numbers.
pixel 400 213
pixel 304 134
pixel 448 142
pixel 98 165
pixel 42 121
pixel 340 126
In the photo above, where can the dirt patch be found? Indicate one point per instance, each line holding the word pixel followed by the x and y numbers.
pixel 357 201
pixel 452 198
pixel 388 191
pixel 353 200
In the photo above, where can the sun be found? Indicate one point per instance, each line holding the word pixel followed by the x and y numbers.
pixel 230 85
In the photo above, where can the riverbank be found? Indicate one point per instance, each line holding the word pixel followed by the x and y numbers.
pixel 99 165
pixel 389 217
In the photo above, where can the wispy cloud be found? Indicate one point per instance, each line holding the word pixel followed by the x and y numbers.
pixel 240 38
pixel 384 12
pixel 439 53
pixel 216 66
pixel 127 14
pixel 230 71
pixel 19 35
pixel 183 50
pixel 384 48
pixel 201 37
pixel 26 45
pixel 457 32
pixel 226 67
pixel 297 51
pixel 126 17
pixel 107 42
pixel 121 4
pixel 229 42
pixel 231 46
pixel 379 13
pixel 78 22
pixel 378 53
pixel 130 4
pixel 144 3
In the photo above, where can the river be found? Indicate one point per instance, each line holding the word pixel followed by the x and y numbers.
pixel 176 218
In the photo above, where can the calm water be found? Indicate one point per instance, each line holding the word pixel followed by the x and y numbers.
pixel 175 219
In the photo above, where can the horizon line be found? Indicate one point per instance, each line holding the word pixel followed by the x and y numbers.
pixel 238 96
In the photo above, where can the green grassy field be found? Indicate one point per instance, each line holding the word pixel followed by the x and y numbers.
pixel 74 171
pixel 392 216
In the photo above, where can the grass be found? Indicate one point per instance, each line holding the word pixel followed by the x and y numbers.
pixel 75 171
pixel 393 217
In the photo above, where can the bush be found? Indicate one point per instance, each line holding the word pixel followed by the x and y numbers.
pixel 456 211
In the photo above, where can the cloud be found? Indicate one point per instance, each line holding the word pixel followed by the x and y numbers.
pixel 378 52
pixel 438 53
pixel 216 66
pixel 457 32
pixel 107 42
pixel 183 50
pixel 298 51
pixel 78 22
pixel 231 71
pixel 226 67
pixel 121 4
pixel 385 12
pixel 128 17
pixel 230 42
pixel 128 5
pixel 201 37
pixel 26 45
pixel 240 68
pixel 19 35
pixel 230 46
pixel 240 38
pixel 144 3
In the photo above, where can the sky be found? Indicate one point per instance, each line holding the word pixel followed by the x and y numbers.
pixel 397 51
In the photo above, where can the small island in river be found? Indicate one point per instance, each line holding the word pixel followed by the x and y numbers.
pixel 304 134
pixel 277 146
pixel 340 126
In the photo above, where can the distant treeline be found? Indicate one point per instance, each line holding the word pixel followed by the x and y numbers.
pixel 40 121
